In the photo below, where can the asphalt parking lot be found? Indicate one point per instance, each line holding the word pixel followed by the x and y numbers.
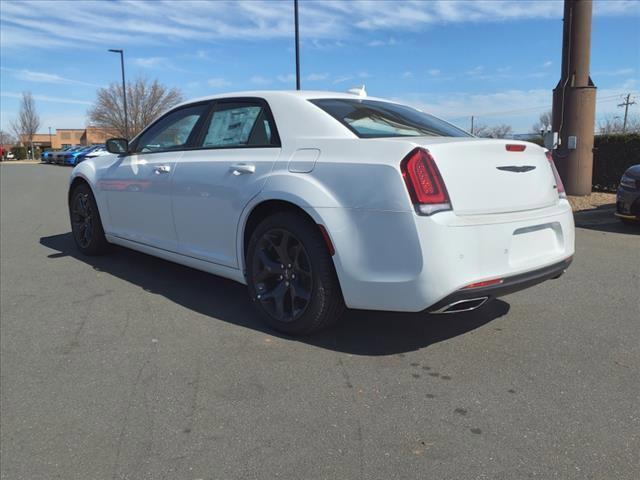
pixel 127 366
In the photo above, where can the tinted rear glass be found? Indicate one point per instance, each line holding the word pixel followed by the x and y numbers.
pixel 375 119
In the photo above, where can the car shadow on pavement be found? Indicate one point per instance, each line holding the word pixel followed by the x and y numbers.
pixel 359 332
pixel 603 219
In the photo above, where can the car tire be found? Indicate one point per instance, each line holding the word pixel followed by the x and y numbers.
pixel 291 277
pixel 86 225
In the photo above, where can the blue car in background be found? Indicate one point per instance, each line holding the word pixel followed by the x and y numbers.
pixel 71 157
pixel 50 155
pixel 46 156
pixel 81 156
pixel 58 156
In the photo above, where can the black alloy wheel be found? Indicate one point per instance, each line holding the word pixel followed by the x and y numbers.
pixel 282 275
pixel 82 219
pixel 86 225
pixel 290 275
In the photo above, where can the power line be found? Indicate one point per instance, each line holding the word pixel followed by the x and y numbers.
pixel 527 109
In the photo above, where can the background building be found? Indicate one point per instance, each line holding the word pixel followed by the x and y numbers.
pixel 67 137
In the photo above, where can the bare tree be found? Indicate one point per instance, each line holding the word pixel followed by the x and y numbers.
pixel 28 121
pixel 612 124
pixel 497 131
pixel 543 123
pixel 145 101
pixel 6 140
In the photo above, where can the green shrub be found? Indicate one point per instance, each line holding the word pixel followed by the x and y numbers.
pixel 612 155
pixel 19 153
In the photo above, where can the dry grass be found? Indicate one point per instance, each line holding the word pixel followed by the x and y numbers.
pixel 590 202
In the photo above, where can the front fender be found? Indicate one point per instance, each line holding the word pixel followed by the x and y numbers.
pixel 88 171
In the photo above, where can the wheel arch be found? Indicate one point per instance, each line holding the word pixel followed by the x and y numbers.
pixel 262 210
pixel 75 181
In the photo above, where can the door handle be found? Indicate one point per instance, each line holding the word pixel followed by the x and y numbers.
pixel 242 168
pixel 162 169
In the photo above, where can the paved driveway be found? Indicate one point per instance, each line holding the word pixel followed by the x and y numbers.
pixel 126 366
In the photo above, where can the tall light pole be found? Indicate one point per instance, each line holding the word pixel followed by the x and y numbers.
pixel 50 144
pixel 124 92
pixel 295 14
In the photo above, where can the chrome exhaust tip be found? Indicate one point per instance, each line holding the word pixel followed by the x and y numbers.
pixel 463 305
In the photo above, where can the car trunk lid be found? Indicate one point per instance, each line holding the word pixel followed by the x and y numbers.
pixel 486 176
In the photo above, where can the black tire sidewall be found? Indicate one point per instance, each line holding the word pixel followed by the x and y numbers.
pixel 325 290
pixel 98 243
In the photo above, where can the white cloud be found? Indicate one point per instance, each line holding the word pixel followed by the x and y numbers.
pixel 259 80
pixel 434 72
pixel 218 82
pixel 150 62
pixel 342 79
pixel 475 70
pixel 383 43
pixel 316 77
pixel 47 98
pixel 519 108
pixel 325 24
pixel 407 74
pixel 547 64
pixel 288 78
pixel 44 77
pixel 614 73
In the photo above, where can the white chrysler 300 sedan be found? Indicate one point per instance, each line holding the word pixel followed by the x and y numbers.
pixel 319 200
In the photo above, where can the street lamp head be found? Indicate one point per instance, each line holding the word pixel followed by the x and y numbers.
pixel 115 50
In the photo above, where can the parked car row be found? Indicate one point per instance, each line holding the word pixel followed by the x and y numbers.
pixel 73 155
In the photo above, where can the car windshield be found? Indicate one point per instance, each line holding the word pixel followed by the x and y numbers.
pixel 376 119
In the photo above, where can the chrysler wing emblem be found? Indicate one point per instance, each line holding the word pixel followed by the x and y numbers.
pixel 517 168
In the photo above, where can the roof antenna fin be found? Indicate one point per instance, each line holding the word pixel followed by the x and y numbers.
pixel 360 91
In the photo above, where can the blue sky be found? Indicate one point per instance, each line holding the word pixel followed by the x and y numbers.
pixel 497 60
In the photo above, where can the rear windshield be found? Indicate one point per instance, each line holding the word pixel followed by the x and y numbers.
pixel 375 119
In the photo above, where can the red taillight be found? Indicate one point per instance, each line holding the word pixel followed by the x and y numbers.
pixel 559 184
pixel 513 147
pixel 424 182
pixel 485 283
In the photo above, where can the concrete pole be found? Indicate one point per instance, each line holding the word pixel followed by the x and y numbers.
pixel 574 100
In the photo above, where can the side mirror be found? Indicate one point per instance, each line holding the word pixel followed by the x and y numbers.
pixel 117 145
pixel 551 140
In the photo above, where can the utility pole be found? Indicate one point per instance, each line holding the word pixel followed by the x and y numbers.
pixel 50 144
pixel 295 14
pixel 471 124
pixel 574 100
pixel 626 104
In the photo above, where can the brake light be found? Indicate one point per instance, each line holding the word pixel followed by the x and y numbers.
pixel 424 183
pixel 559 184
pixel 513 147
pixel 485 283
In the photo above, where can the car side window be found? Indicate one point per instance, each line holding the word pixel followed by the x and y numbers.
pixel 172 132
pixel 239 124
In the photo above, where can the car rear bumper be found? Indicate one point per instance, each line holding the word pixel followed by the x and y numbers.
pixel 463 299
pixel 400 261
pixel 628 204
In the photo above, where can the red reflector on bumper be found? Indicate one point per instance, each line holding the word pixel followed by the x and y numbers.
pixel 485 283
pixel 327 240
